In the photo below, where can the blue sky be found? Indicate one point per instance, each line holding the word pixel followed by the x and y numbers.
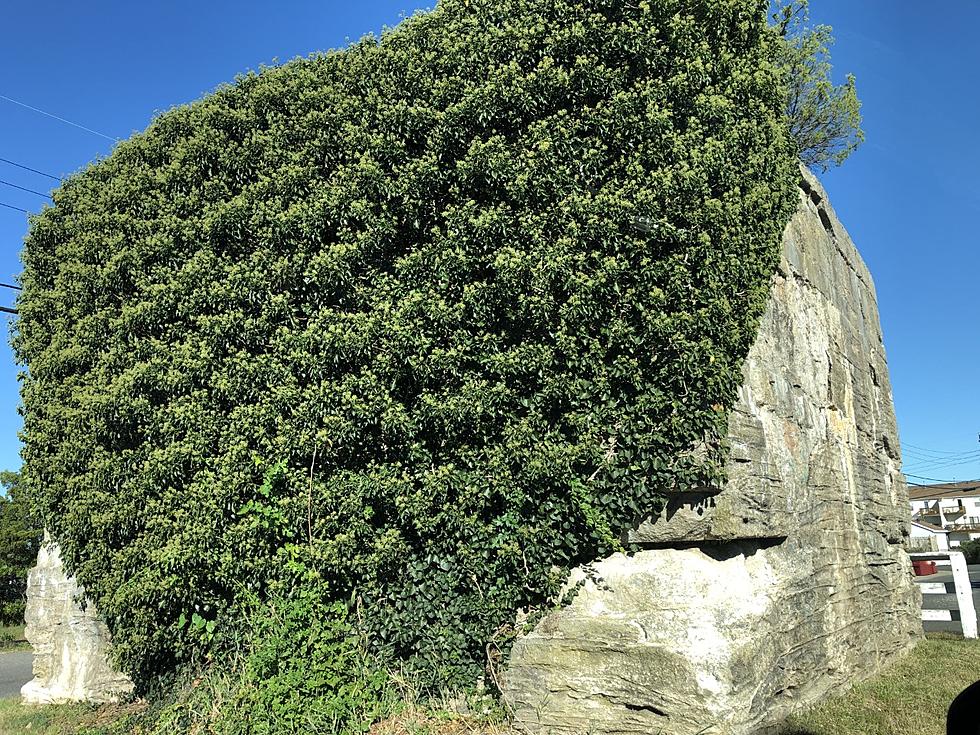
pixel 910 197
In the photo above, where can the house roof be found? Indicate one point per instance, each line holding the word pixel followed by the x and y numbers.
pixel 929 526
pixel 967 489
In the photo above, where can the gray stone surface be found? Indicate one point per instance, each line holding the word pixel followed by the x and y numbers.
pixel 791 582
pixel 70 641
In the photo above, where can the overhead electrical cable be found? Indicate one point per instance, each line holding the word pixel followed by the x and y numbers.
pixel 914 448
pixel 56 117
pixel 10 285
pixel 935 479
pixel 921 462
pixel 936 458
pixel 11 206
pixel 947 458
pixel 24 188
pixel 926 458
pixel 934 467
pixel 28 168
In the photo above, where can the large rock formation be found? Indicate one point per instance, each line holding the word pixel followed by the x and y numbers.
pixel 791 582
pixel 70 640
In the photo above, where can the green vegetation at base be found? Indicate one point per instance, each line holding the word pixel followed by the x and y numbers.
pixel 16 718
pixel 908 697
pixel 412 328
pixel 304 668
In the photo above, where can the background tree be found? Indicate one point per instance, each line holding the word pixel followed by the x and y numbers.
pixel 20 537
pixel 971 550
pixel 824 118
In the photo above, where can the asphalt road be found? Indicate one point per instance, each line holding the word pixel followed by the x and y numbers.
pixel 946 576
pixel 935 626
pixel 15 672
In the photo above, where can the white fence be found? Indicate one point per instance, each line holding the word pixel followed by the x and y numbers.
pixel 948 601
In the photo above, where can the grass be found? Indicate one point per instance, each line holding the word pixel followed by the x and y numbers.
pixel 12 638
pixel 910 697
pixel 57 720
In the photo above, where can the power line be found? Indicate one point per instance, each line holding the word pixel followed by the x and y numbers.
pixel 922 459
pixel 8 285
pixel 933 479
pixel 60 119
pixel 935 454
pixel 11 206
pixel 28 168
pixel 950 458
pixel 920 467
pixel 933 469
pixel 923 450
pixel 24 188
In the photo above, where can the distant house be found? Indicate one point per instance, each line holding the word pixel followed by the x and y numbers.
pixel 953 508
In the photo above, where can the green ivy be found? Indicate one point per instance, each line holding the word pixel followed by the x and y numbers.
pixel 478 292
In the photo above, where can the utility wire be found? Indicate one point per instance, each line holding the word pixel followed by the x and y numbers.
pixel 923 450
pixel 24 188
pixel 908 453
pixel 918 462
pixel 923 462
pixel 8 285
pixel 5 310
pixel 11 206
pixel 60 119
pixel 28 168
pixel 934 479
pixel 948 458
pixel 932 468
pixel 940 460
pixel 935 453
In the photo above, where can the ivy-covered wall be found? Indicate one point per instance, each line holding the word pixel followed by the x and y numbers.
pixel 420 324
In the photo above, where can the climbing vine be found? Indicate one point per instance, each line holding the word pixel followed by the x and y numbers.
pixel 419 324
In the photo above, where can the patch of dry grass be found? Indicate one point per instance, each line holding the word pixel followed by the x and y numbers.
pixel 61 719
pixel 434 722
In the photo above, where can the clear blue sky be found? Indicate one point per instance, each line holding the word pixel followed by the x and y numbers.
pixel 910 197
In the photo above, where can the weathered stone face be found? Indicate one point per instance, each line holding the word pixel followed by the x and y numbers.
pixel 70 640
pixel 791 582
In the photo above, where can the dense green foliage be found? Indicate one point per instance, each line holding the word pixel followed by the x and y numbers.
pixel 307 672
pixel 424 322
pixel 971 550
pixel 824 118
pixel 20 537
pixel 302 668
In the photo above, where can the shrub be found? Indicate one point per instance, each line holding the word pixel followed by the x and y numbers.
pixel 307 672
pixel 429 320
pixel 302 667
pixel 971 550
